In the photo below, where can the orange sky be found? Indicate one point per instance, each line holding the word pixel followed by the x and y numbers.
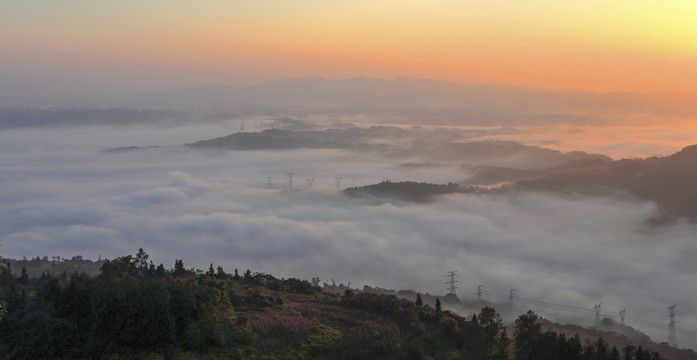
pixel 640 46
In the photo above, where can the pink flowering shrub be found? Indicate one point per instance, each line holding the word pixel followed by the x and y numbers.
pixel 279 322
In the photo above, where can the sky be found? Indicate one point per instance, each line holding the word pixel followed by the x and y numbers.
pixel 84 46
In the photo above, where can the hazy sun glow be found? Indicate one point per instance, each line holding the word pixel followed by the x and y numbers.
pixel 620 45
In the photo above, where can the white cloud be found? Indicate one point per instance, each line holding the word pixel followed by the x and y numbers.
pixel 207 207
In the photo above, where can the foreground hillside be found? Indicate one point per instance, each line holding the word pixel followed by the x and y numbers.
pixel 135 310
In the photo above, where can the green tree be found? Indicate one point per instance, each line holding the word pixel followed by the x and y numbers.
pixel 525 334
pixel 601 350
pixel 221 273
pixel 211 271
pixel 490 331
pixel 614 354
pixel 24 278
pixel 628 352
pixel 141 263
pixel 160 271
pixel 179 269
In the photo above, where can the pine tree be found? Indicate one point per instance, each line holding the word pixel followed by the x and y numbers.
pixel 437 304
pixel 160 271
pixel 211 271
pixel 614 354
pixel 221 273
pixel 24 278
pixel 419 302
pixel 141 262
pixel 179 267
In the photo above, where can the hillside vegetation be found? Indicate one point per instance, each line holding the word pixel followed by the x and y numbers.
pixel 136 310
pixel 669 181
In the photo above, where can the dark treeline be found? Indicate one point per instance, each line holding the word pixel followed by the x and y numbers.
pixel 409 190
pixel 531 343
pixel 136 310
pixel 45 266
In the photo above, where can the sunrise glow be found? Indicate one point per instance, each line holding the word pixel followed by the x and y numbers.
pixel 636 46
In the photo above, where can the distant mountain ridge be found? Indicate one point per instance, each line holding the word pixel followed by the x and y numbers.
pixel 423 100
pixel 669 181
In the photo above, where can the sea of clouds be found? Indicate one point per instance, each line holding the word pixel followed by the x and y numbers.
pixel 62 193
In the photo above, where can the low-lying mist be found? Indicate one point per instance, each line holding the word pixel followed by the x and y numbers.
pixel 63 193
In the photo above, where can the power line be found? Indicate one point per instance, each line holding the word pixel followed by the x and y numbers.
pixel 644 319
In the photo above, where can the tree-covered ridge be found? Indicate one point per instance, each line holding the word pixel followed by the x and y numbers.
pixel 37 267
pixel 409 190
pixel 136 310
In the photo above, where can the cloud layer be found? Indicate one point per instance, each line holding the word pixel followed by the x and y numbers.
pixel 63 195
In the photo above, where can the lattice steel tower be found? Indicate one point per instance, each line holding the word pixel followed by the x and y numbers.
pixel 672 339
pixel 452 288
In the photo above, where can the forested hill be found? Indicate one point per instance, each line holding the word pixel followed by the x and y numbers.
pixel 669 181
pixel 408 190
pixel 136 310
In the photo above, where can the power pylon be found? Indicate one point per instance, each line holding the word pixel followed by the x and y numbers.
pixel 338 183
pixel 597 313
pixel 479 292
pixel 452 288
pixel 309 183
pixel 511 296
pixel 290 181
pixel 672 339
pixel 622 311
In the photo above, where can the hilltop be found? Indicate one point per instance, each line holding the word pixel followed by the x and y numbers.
pixel 668 181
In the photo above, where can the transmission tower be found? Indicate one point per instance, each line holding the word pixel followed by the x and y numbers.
pixel 672 339
pixel 269 179
pixel 338 183
pixel 510 296
pixel 452 288
pixel 597 312
pixel 309 183
pixel 290 181
pixel 622 311
pixel 479 292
